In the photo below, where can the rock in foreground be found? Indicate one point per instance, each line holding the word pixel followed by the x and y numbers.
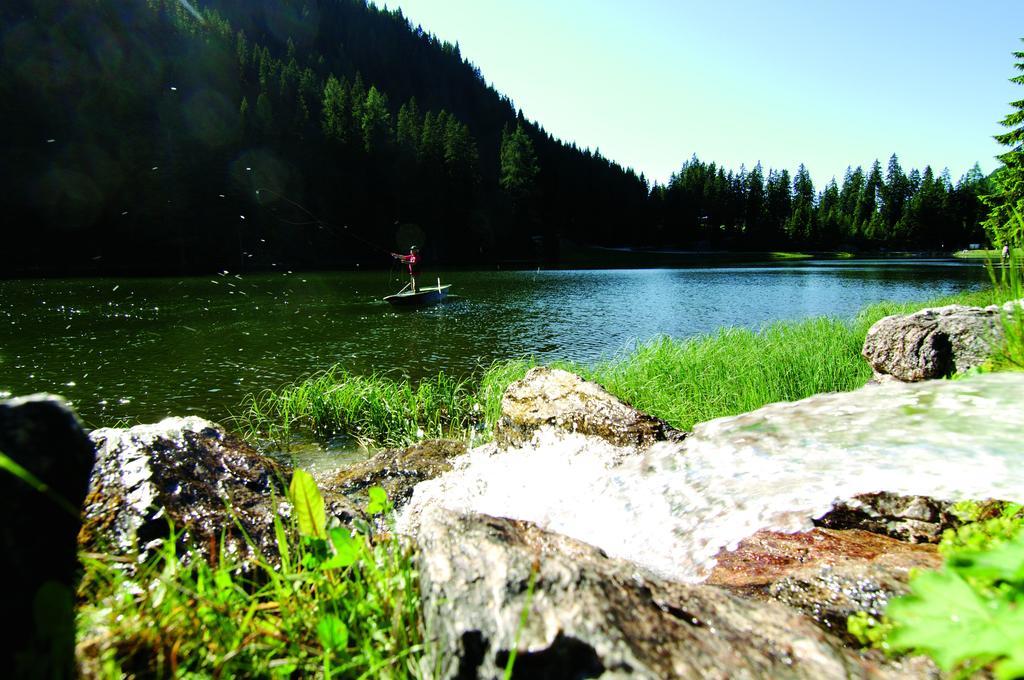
pixel 672 507
pixel 827 574
pixel 189 472
pixel 592 616
pixel 38 533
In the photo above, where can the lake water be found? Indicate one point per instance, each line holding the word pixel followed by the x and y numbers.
pixel 142 349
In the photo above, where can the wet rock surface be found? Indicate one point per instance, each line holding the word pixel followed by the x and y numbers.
pixel 38 533
pixel 548 397
pixel 591 616
pixel 190 472
pixel 673 506
pixel 933 343
pixel 827 574
pixel 916 519
pixel 397 471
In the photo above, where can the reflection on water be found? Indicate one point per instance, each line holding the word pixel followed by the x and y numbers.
pixel 141 349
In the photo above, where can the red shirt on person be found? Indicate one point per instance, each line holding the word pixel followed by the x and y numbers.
pixel 412 259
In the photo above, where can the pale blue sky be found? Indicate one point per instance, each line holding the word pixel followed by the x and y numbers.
pixel 826 83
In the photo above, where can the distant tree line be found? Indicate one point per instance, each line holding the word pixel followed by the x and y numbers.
pixel 872 210
pixel 152 136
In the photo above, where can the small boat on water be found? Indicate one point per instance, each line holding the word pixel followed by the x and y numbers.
pixel 430 295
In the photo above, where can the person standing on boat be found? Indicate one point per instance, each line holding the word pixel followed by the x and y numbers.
pixel 412 260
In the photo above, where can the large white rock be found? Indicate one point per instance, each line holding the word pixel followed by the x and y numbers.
pixel 671 508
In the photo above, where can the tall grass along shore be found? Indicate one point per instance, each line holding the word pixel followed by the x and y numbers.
pixel 683 381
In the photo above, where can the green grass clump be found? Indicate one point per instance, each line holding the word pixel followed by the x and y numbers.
pixel 333 603
pixel 369 409
pixel 736 370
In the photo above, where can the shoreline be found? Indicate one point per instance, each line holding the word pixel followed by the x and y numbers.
pixel 682 381
pixel 573 257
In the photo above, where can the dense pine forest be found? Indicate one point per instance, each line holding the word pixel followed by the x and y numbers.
pixel 172 137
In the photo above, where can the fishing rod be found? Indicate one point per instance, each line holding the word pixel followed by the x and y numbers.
pixel 314 219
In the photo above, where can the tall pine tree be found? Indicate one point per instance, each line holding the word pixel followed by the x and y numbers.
pixel 1006 203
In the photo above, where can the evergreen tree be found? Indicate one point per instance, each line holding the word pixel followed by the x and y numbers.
pixel 830 219
pixel 849 198
pixel 518 178
pixel 924 210
pixel 755 204
pixel 409 129
pixel 1006 203
pixel 914 181
pixel 309 85
pixel 865 221
pixel 968 211
pixel 460 153
pixel 431 149
pixel 895 192
pixel 801 225
pixel 376 121
pixel 518 163
pixel 779 203
pixel 265 68
pixel 336 111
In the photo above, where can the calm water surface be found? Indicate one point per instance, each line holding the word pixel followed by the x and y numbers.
pixel 142 349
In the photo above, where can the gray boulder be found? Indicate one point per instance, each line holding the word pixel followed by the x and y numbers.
pixel 185 472
pixel 934 343
pixel 38 544
pixel 591 616
pixel 548 397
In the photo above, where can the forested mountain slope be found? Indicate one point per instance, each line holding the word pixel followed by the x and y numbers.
pixel 164 136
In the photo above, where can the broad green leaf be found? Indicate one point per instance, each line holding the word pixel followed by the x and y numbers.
pixel 309 505
pixel 949 621
pixel 1002 562
pixel 332 632
pixel 378 500
pixel 346 550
